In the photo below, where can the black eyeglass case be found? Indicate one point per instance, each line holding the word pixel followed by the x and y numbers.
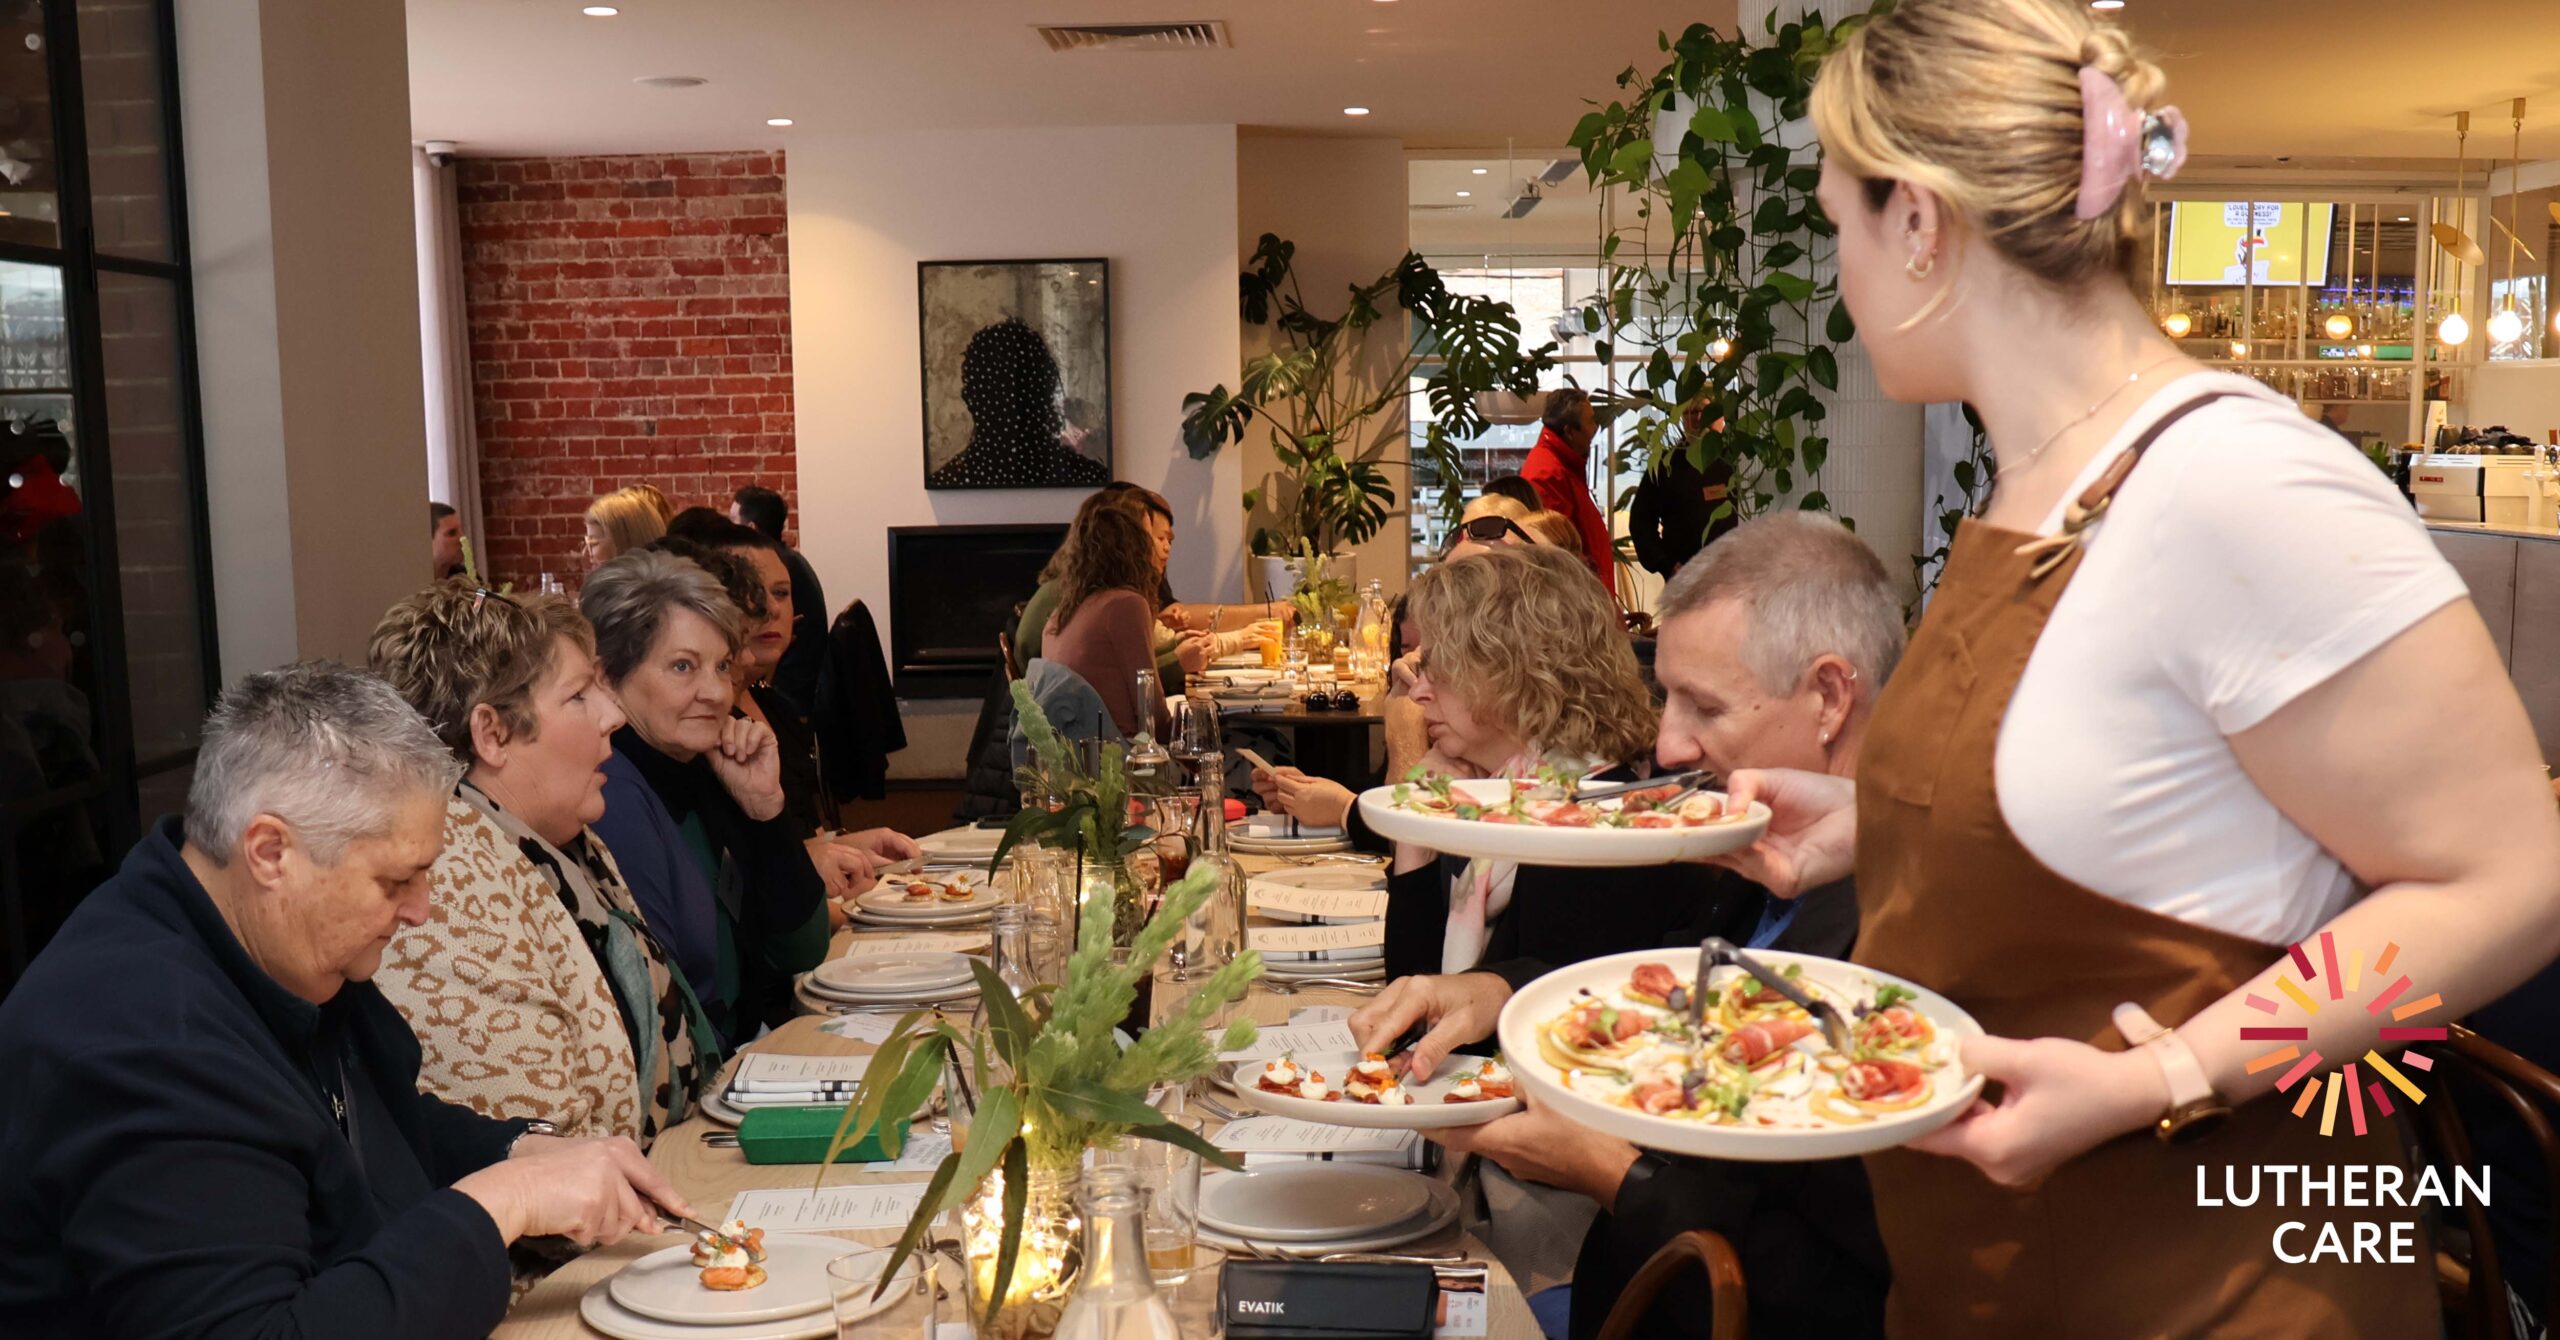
pixel 1307 1300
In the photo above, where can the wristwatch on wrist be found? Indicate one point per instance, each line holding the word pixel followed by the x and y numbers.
pixel 2195 1110
pixel 534 1127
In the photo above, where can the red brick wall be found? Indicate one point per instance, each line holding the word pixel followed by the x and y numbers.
pixel 630 323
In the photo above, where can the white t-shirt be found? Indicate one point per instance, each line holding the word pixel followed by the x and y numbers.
pixel 2250 557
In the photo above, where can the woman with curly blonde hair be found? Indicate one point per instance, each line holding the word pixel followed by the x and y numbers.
pixel 1521 665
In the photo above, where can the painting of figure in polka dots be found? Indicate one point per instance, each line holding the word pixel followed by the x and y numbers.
pixel 1017 373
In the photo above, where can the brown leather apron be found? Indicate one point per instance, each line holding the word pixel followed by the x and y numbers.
pixel 2113 1243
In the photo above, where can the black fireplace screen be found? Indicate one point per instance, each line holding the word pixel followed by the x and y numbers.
pixel 951 590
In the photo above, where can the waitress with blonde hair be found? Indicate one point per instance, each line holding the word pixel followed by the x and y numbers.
pixel 2196 688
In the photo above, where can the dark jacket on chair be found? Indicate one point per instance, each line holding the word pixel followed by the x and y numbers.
pixel 857 710
pixel 172 1164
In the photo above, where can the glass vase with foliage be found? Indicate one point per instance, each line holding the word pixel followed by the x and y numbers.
pixel 1088 809
pixel 1051 1078
pixel 1323 391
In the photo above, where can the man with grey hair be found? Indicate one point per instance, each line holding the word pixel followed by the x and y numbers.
pixel 1774 642
pixel 216 1126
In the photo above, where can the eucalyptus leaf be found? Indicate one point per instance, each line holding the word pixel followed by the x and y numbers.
pixel 1017 1195
pixel 920 1224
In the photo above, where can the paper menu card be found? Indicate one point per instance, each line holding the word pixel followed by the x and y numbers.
pixel 1267 899
pixel 1268 1134
pixel 826 1209
pixel 1304 939
pixel 871 1028
pixel 1328 1039
pixel 865 945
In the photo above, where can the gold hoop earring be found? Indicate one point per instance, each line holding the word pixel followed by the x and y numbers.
pixel 1915 267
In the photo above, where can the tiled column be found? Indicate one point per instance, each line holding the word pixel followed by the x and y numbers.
pixel 1873 476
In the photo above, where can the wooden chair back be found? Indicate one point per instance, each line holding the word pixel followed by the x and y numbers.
pixel 1730 1316
pixel 2475 1291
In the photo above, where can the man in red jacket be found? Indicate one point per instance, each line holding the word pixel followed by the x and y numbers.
pixel 1556 469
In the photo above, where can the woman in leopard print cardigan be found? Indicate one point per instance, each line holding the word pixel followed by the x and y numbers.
pixel 535 987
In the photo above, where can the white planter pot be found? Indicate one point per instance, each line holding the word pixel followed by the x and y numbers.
pixel 1280 576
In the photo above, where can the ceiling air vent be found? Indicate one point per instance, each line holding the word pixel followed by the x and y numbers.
pixel 1209 35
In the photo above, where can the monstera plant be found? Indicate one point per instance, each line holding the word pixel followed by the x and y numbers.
pixel 1325 391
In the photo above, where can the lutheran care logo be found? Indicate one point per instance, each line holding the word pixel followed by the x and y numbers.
pixel 2360 1236
pixel 2333 982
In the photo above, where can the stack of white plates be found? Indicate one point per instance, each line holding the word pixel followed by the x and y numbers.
pixel 961 844
pixel 893 903
pixel 1280 840
pixel 1344 883
pixel 660 1296
pixel 1324 1207
pixel 893 979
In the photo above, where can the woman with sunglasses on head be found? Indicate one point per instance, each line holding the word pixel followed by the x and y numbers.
pixel 2138 746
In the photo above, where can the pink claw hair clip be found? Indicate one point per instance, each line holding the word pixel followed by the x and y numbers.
pixel 2117 144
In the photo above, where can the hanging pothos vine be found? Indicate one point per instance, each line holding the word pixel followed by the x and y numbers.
pixel 1739 326
pixel 1973 478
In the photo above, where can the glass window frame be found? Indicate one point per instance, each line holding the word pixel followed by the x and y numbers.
pixel 117 792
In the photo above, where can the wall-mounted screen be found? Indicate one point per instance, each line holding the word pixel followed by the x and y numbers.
pixel 2265 242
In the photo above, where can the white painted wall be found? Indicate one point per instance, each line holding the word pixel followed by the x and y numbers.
pixel 301 221
pixel 1345 203
pixel 1158 201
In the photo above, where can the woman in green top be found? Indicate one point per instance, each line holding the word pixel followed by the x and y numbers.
pixel 1177 654
pixel 693 794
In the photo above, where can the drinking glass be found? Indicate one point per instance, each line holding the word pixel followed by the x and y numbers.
pixel 905 1312
pixel 1196 740
pixel 1169 1177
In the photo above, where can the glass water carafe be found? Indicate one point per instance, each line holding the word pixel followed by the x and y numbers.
pixel 1115 1295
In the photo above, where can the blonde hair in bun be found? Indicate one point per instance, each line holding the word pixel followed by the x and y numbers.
pixel 1978 103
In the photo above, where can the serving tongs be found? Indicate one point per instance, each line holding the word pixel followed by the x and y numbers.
pixel 1715 951
pixel 1685 783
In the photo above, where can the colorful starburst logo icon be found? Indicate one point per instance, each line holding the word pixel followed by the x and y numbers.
pixel 2333 982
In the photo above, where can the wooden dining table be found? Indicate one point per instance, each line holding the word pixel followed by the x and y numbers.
pixel 711 1177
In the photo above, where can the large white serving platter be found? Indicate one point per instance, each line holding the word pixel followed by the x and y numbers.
pixel 1535 845
pixel 1425 1113
pixel 1533 1005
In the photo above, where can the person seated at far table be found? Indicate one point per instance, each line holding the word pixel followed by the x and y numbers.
pixel 622 521
pixel 535 986
pixel 217 1128
pixel 1518 489
pixel 1489 521
pixel 1775 641
pixel 1104 624
pixel 693 794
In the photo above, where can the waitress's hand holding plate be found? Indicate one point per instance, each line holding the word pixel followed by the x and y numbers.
pixel 1812 839
pixel 2061 1099
pixel 1542 1145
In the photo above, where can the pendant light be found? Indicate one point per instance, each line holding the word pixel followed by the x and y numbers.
pixel 2455 329
pixel 2340 325
pixel 2177 324
pixel 2506 325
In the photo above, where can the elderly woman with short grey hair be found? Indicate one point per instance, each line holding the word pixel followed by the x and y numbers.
pixel 231 1140
pixel 535 986
pixel 693 794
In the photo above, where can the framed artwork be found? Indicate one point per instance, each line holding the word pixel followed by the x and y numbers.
pixel 1017 373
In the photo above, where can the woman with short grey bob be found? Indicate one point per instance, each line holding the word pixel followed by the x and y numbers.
pixel 693 794
pixel 231 1139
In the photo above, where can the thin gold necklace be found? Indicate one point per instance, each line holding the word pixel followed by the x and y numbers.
pixel 2087 414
